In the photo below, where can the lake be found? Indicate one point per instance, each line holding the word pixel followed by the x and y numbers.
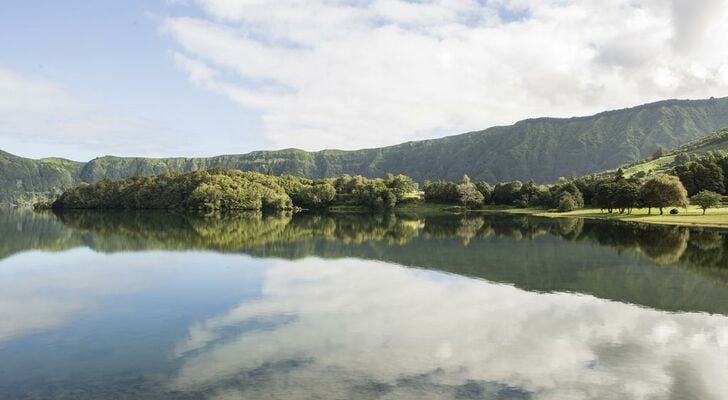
pixel 157 305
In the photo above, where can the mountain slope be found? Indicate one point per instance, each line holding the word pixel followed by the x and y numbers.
pixel 23 180
pixel 717 141
pixel 542 149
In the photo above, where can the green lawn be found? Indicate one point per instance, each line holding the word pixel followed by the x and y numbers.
pixel 658 165
pixel 717 217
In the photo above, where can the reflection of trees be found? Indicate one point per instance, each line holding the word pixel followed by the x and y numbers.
pixel 664 246
pixel 707 249
pixel 469 228
pixel 232 231
pixel 522 250
pixel 112 231
pixel 569 228
pixel 23 229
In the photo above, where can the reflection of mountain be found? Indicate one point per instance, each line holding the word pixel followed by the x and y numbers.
pixel 669 268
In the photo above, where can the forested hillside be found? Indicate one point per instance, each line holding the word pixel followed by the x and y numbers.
pixel 542 149
pixel 23 181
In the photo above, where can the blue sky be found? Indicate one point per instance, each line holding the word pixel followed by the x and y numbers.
pixel 114 55
pixel 81 79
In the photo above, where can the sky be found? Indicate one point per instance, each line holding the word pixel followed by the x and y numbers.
pixel 82 79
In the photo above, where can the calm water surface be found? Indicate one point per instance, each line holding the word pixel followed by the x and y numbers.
pixel 167 306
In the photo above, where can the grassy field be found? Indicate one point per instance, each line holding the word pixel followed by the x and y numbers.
pixel 714 217
pixel 659 165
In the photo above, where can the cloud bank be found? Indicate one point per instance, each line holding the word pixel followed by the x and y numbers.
pixel 350 74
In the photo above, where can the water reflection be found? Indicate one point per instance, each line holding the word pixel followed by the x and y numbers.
pixel 247 306
pixel 610 260
pixel 362 329
pixel 116 231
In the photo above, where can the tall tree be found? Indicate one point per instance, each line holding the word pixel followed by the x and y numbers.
pixel 663 191
pixel 626 196
pixel 469 194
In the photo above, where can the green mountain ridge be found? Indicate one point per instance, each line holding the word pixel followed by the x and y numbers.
pixel 715 142
pixel 542 149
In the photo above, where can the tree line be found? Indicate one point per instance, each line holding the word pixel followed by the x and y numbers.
pixel 610 193
pixel 700 180
pixel 229 189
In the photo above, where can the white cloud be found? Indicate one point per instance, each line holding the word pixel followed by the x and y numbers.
pixel 352 323
pixel 39 112
pixel 363 73
pixel 23 95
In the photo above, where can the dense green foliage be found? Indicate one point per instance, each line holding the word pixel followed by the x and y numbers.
pixel 663 191
pixel 606 192
pixel 567 202
pixel 218 189
pixel 228 189
pixel 542 149
pixel 706 199
pixel 703 174
pixel 464 193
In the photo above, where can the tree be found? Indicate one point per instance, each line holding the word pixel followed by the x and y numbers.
pixel 682 158
pixel 567 202
pixel 507 192
pixel 470 197
pixel 401 185
pixel 663 191
pixel 567 187
pixel 700 175
pixel 604 196
pixel 528 191
pixel 486 190
pixel 468 193
pixel 706 199
pixel 316 196
pixel 626 196
pixel 441 192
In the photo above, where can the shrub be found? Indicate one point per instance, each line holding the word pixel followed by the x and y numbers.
pixel 567 202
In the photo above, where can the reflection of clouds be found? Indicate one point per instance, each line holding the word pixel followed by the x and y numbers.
pixel 40 291
pixel 360 325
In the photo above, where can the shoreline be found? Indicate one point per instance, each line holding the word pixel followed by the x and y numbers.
pixel 714 217
pixel 718 218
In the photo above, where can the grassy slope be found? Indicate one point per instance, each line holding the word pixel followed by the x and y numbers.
pixel 717 141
